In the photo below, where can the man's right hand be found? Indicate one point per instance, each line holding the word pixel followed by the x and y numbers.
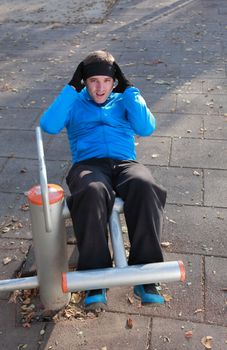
pixel 76 80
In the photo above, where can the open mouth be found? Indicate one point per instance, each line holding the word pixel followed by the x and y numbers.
pixel 100 95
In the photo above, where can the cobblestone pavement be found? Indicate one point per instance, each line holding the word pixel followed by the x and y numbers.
pixel 176 53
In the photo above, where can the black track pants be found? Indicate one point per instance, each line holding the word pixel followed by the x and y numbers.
pixel 93 185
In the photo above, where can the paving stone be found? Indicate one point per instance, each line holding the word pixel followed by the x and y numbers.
pixel 215 185
pixel 7 204
pixel 107 331
pixel 161 70
pixel 215 127
pixel 171 335
pixel 187 297
pixel 201 104
pixel 40 98
pixel 26 174
pixel 165 85
pixel 181 125
pixel 18 118
pixel 19 213
pixel 201 70
pixel 195 230
pixel 12 337
pixel 159 103
pixel 153 150
pixel 23 145
pixel 54 12
pixel 182 186
pixel 15 252
pixel 215 290
pixel 13 99
pixel 2 163
pixel 198 153
pixel 215 86
pixel 58 148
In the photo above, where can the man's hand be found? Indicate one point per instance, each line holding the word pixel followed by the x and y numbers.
pixel 123 82
pixel 77 78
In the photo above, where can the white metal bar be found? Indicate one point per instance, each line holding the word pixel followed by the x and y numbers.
pixel 43 180
pixel 126 276
pixel 19 283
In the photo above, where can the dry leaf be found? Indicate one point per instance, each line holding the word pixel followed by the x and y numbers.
pixel 197 311
pixel 188 334
pixel 26 325
pixel 207 342
pixel 167 297
pixel 172 221
pixel 75 298
pixel 25 207
pixel 6 260
pixel 130 300
pixel 165 244
pixel 129 323
pixel 166 339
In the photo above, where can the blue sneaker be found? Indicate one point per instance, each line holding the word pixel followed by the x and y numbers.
pixel 148 293
pixel 95 300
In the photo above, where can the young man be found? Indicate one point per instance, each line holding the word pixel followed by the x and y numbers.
pixel 102 113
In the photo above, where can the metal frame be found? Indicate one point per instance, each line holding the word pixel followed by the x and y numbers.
pixel 49 236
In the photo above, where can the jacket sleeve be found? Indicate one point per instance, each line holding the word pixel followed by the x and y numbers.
pixel 138 114
pixel 56 117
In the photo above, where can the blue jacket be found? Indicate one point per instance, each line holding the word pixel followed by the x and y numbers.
pixel 99 131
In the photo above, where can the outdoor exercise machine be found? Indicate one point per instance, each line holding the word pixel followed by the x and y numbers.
pixel 49 210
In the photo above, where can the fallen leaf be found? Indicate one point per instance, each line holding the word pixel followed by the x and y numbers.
pixel 130 300
pixel 75 298
pixel 167 297
pixel 5 229
pixel 166 244
pixel 22 346
pixel 198 310
pixel 154 62
pixel 26 325
pixel 172 221
pixel 129 323
pixel 25 207
pixel 166 339
pixel 6 260
pixel 196 173
pixel 188 334
pixel 162 82
pixel 207 342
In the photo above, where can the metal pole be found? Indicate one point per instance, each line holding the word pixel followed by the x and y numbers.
pixel 49 236
pixel 43 180
pixel 19 283
pixel 117 235
pixel 126 276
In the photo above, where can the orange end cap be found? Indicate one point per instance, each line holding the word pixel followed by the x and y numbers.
pixel 55 193
pixel 64 283
pixel 182 271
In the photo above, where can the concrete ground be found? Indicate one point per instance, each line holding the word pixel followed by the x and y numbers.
pixel 176 53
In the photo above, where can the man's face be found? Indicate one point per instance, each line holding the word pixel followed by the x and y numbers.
pixel 99 87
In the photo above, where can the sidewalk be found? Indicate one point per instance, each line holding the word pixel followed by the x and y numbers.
pixel 176 53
